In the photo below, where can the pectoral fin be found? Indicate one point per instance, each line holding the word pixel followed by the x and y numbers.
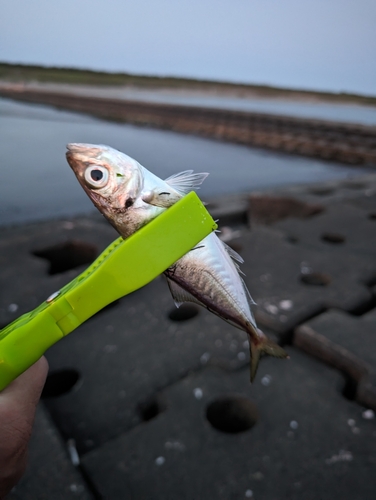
pixel 184 182
pixel 161 199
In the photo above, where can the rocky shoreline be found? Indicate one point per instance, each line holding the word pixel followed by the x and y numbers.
pixel 345 143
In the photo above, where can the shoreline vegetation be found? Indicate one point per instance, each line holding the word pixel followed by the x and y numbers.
pixel 17 73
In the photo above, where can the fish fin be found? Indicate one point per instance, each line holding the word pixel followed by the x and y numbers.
pixel 237 258
pixel 234 255
pixel 180 295
pixel 160 198
pixel 184 182
pixel 249 296
pixel 263 346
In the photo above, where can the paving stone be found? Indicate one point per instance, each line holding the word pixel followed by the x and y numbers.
pixel 341 229
pixel 50 474
pixel 308 441
pixel 133 349
pixel 133 362
pixel 24 278
pixel 347 343
pixel 267 209
pixel 274 271
pixel 128 353
pixel 326 193
pixel 231 210
pixel 367 202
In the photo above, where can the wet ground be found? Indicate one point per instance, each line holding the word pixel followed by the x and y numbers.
pixel 148 402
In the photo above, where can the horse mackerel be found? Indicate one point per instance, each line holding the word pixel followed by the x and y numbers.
pixel 130 196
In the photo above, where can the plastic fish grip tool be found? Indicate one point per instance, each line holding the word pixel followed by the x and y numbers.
pixel 122 268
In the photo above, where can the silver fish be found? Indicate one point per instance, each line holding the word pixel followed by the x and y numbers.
pixel 130 196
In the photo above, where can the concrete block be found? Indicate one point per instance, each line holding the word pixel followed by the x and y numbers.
pixel 347 343
pixel 24 277
pixel 126 354
pixel 341 230
pixel 267 209
pixel 289 435
pixel 230 210
pixel 353 190
pixel 292 283
pixel 50 473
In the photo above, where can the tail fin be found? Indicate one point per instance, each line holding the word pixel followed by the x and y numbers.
pixel 266 346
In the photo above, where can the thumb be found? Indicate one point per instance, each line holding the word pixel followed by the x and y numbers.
pixel 24 392
pixel 17 410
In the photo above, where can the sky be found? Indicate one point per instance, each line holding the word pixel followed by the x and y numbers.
pixel 309 44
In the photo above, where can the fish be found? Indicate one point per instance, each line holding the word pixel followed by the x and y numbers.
pixel 129 196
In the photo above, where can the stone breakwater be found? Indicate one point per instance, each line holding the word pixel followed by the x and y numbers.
pixel 154 402
pixel 345 143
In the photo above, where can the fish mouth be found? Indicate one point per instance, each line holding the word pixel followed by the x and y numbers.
pixel 76 147
pixel 78 154
pixel 89 150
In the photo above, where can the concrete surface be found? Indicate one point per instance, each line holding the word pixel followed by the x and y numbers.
pixel 300 446
pixel 50 473
pixel 347 343
pixel 157 402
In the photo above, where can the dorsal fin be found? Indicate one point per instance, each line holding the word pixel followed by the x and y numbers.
pixel 184 182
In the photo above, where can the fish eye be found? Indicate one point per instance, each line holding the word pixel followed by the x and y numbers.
pixel 96 176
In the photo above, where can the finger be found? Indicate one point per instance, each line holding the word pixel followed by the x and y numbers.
pixel 17 410
pixel 26 389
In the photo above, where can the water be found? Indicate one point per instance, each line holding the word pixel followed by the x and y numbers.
pixel 37 182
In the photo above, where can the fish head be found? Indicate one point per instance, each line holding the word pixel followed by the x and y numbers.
pixel 111 179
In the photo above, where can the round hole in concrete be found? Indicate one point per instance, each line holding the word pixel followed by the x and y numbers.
pixel 315 279
pixel 372 216
pixel 60 382
pixel 321 190
pixel 184 312
pixel 335 238
pixel 232 414
pixel 292 239
pixel 152 407
pixel 66 256
pixel 349 388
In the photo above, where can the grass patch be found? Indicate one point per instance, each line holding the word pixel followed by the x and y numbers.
pixel 27 73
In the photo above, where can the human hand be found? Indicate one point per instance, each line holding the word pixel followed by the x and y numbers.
pixel 18 403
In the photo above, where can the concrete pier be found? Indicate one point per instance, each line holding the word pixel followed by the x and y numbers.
pixel 346 143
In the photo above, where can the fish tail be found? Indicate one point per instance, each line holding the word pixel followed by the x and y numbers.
pixel 263 345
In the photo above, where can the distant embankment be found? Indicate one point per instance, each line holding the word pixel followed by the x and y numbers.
pixel 352 144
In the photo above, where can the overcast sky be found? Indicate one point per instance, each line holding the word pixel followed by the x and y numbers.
pixel 312 44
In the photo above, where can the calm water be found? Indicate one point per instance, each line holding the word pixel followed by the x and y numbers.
pixel 37 182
